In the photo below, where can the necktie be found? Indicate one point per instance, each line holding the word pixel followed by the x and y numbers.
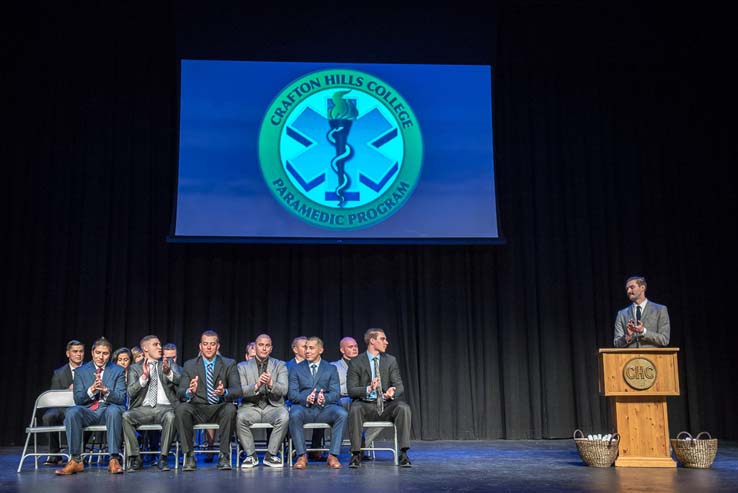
pixel 380 401
pixel 96 402
pixel 212 398
pixel 638 319
pixel 151 396
pixel 313 369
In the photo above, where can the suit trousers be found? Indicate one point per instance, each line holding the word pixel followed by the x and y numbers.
pixel 78 417
pixel 147 415
pixel 277 416
pixel 332 414
pixel 396 411
pixel 53 417
pixel 188 415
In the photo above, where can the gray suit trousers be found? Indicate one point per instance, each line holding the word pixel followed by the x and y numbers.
pixel 277 416
pixel 146 415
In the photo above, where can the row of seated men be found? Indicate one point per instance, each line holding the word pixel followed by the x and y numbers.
pixel 306 389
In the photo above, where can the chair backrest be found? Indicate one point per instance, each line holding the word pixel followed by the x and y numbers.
pixel 55 398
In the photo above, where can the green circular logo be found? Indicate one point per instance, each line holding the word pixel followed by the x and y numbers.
pixel 340 149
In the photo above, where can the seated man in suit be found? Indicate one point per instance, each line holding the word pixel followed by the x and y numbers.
pixel 100 396
pixel 62 379
pixel 209 385
pixel 314 392
pixel 264 386
pixel 643 323
pixel 374 382
pixel 152 393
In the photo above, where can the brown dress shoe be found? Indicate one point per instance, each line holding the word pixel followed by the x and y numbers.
pixel 333 462
pixel 72 467
pixel 316 456
pixel 114 466
pixel 302 462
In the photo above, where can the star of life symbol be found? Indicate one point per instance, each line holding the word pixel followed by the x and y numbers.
pixel 341 162
pixel 340 149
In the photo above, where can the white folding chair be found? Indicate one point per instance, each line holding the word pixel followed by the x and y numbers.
pixel 371 446
pixel 258 426
pixel 151 427
pixel 97 451
pixel 47 399
pixel 311 448
pixel 210 426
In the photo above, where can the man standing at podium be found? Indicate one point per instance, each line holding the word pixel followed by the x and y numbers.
pixel 643 323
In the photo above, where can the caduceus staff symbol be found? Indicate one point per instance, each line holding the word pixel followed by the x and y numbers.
pixel 341 115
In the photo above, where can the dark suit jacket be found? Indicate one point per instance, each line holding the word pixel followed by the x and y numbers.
pixel 62 378
pixel 302 382
pixel 225 371
pixel 359 375
pixel 113 378
pixel 137 393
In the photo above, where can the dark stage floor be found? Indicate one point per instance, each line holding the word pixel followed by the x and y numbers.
pixel 498 465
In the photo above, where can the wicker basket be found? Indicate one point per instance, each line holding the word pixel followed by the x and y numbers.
pixel 697 453
pixel 597 453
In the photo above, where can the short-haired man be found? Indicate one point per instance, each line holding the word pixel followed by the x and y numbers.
pixel 62 379
pixel 209 385
pixel 299 344
pixel 643 323
pixel 100 396
pixel 349 349
pixel 375 383
pixel 264 386
pixel 152 392
pixel 314 391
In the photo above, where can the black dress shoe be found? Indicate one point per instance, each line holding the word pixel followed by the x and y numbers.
pixel 189 463
pixel 135 464
pixel 52 461
pixel 355 461
pixel 163 465
pixel 404 460
pixel 210 457
pixel 224 462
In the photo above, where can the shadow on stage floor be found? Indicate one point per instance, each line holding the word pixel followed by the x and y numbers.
pixel 496 465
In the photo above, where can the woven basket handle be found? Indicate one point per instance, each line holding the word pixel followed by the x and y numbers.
pixel 578 431
pixel 615 436
pixel 683 433
pixel 709 437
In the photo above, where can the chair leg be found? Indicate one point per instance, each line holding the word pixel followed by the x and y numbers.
pixel 23 455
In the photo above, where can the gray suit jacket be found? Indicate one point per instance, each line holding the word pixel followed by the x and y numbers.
pixel 248 372
pixel 137 393
pixel 342 368
pixel 655 319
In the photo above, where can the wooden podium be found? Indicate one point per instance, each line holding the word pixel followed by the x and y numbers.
pixel 637 381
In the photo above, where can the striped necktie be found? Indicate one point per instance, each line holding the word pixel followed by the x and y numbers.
pixel 212 398
pixel 380 401
pixel 151 394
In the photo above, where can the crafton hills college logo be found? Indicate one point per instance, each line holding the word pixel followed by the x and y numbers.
pixel 340 149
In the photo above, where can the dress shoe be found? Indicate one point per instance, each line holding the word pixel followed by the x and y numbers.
pixel 404 460
pixel 114 466
pixel 210 457
pixel 52 461
pixel 72 467
pixel 355 461
pixel 333 462
pixel 189 463
pixel 224 462
pixel 302 462
pixel 134 463
pixel 316 456
pixel 163 464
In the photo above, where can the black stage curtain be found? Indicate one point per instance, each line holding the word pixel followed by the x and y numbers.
pixel 614 136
